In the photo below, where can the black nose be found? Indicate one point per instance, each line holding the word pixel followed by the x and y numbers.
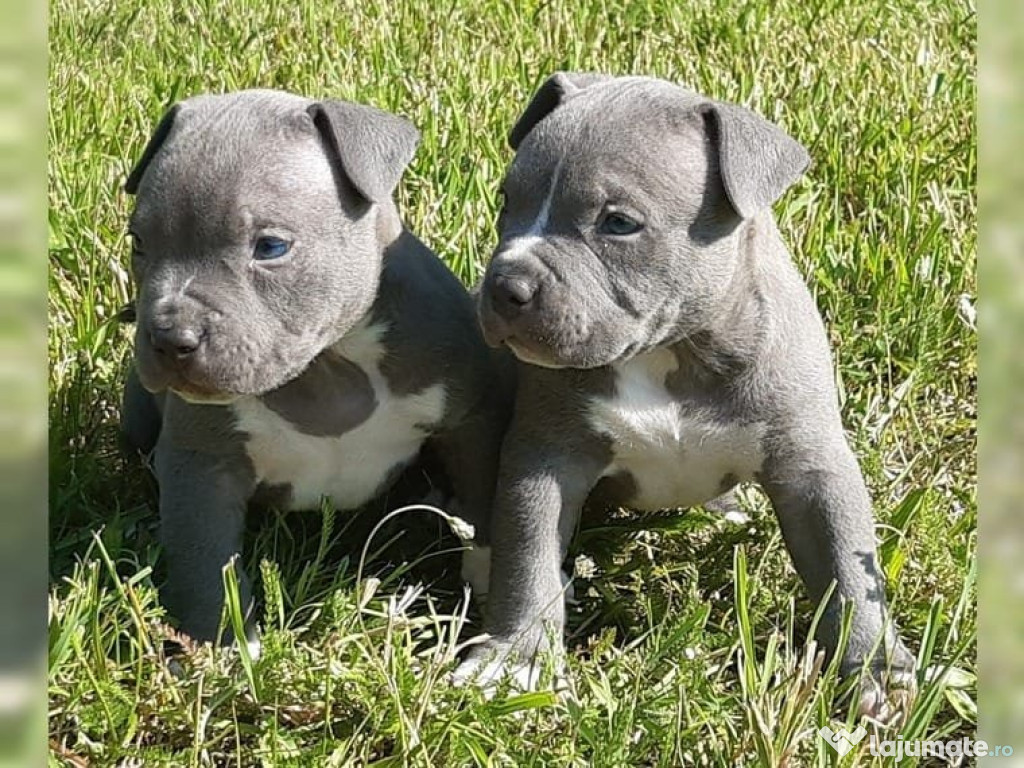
pixel 512 293
pixel 175 340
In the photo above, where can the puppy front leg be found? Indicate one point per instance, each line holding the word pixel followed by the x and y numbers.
pixel 825 513
pixel 538 500
pixel 203 501
pixel 470 454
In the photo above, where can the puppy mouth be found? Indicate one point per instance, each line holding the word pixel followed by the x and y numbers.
pixel 530 356
pixel 211 378
pixel 159 379
pixel 202 397
pixel 191 393
pixel 551 343
pixel 496 330
pixel 586 356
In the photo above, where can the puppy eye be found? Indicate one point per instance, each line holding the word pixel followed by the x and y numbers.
pixel 270 248
pixel 618 224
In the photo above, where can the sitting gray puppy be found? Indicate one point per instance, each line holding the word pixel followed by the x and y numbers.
pixel 669 350
pixel 293 339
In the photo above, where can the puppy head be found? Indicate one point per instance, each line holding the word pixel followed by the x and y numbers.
pixel 255 236
pixel 622 215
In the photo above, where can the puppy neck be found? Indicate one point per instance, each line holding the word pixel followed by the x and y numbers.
pixel 732 341
pixel 389 224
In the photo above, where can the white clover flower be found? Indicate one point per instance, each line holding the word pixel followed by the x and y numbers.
pixel 461 528
pixel 584 567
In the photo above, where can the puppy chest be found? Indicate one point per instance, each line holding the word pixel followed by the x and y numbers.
pixel 350 468
pixel 676 453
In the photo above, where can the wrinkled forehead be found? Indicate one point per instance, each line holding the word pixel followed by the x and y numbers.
pixel 639 135
pixel 232 161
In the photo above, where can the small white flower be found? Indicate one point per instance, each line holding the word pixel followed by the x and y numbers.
pixel 461 528
pixel 737 516
pixel 584 567
pixel 966 311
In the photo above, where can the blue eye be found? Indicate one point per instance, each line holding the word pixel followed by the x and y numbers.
pixel 269 248
pixel 619 224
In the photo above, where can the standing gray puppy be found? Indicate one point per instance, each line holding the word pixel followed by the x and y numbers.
pixel 669 350
pixel 293 339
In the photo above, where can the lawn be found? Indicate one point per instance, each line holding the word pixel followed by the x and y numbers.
pixel 687 645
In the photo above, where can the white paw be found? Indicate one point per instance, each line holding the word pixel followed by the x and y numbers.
pixel 487 673
pixel 488 667
pixel 888 705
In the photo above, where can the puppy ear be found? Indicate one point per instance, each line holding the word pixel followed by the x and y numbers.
pixel 371 147
pixel 757 159
pixel 163 129
pixel 555 90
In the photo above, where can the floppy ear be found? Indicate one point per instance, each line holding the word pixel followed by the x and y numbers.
pixel 757 159
pixel 163 129
pixel 555 90
pixel 369 146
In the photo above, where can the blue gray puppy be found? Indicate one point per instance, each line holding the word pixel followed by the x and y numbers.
pixel 669 350
pixel 293 339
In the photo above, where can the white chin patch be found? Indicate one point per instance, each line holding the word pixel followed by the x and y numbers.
pixel 529 358
pixel 190 397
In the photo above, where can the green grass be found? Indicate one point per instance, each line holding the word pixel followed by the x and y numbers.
pixel 688 643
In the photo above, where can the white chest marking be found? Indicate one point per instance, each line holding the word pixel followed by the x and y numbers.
pixel 351 467
pixel 676 452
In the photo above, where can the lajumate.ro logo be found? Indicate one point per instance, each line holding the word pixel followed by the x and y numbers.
pixel 842 741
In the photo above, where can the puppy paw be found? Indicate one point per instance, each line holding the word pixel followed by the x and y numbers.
pixel 886 699
pixel 889 687
pixel 486 675
pixel 488 665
